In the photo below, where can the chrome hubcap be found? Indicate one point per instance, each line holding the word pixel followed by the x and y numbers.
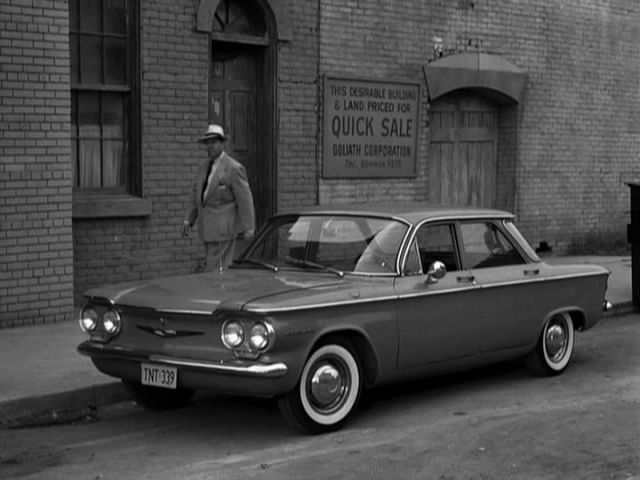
pixel 327 387
pixel 556 342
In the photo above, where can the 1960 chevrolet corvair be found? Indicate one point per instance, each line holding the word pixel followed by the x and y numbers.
pixel 327 302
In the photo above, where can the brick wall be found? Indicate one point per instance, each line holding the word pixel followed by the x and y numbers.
pixel 385 42
pixel 174 113
pixel 578 137
pixel 507 152
pixel 575 144
pixel 298 92
pixel 579 134
pixel 36 268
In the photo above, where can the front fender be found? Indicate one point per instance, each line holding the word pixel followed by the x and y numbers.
pixel 371 329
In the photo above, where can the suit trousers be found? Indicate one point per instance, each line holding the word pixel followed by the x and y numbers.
pixel 218 255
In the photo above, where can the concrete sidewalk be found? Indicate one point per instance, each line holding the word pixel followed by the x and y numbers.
pixel 41 372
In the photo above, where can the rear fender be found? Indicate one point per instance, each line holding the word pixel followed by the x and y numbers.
pixel 577 314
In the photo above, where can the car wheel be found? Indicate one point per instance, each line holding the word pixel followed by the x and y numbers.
pixel 328 390
pixel 155 398
pixel 555 346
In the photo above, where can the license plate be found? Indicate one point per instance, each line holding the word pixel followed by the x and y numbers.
pixel 159 376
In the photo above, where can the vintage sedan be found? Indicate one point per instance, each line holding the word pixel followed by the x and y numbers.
pixel 327 302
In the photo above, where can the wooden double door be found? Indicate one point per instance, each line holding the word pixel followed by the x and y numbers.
pixel 463 150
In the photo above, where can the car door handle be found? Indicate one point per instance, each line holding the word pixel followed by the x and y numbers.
pixel 533 271
pixel 469 279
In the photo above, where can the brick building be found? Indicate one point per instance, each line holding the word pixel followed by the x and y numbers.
pixel 529 106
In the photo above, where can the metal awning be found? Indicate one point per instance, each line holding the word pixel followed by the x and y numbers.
pixel 474 70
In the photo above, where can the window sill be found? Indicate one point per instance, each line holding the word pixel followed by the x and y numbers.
pixel 110 206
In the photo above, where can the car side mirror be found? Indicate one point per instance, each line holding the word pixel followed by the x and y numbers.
pixel 436 271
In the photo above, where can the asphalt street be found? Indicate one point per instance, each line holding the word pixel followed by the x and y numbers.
pixel 494 423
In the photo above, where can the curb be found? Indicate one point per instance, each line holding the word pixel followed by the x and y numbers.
pixel 62 404
pixel 618 309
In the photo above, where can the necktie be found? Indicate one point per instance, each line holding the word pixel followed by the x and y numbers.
pixel 208 182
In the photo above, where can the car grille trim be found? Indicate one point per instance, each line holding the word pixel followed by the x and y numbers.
pixel 168 332
pixel 178 311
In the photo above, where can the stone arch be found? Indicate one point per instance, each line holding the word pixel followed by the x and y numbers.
pixel 207 8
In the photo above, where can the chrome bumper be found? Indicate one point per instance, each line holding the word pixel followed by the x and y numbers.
pixel 233 367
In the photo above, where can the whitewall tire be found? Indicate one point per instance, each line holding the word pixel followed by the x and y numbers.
pixel 328 390
pixel 555 346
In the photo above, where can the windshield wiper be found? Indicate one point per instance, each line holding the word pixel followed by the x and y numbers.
pixel 256 262
pixel 308 263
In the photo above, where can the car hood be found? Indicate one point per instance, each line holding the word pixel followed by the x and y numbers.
pixel 205 292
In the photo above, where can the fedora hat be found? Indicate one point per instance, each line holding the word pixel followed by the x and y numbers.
pixel 213 132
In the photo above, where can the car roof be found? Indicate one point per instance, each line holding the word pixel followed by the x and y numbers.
pixel 411 212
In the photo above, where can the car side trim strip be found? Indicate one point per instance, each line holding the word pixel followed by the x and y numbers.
pixel 320 305
pixel 539 280
pixel 420 294
pixel 234 367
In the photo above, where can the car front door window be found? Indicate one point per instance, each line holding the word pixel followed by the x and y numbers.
pixel 436 243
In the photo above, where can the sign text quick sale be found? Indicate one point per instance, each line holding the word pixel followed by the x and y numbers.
pixel 370 128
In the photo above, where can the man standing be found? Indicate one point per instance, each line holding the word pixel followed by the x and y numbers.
pixel 222 202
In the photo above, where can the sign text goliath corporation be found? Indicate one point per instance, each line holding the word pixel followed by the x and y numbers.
pixel 370 128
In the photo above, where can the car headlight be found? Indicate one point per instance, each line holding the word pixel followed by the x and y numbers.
pixel 259 336
pixel 88 320
pixel 232 334
pixel 111 322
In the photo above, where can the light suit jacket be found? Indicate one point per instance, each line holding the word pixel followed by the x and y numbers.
pixel 228 208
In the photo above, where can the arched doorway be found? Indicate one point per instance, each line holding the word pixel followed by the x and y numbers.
pixel 242 93
pixel 473 123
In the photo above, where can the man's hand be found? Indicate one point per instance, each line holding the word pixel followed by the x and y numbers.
pixel 246 235
pixel 186 228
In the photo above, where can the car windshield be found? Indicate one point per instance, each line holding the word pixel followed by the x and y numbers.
pixel 332 243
